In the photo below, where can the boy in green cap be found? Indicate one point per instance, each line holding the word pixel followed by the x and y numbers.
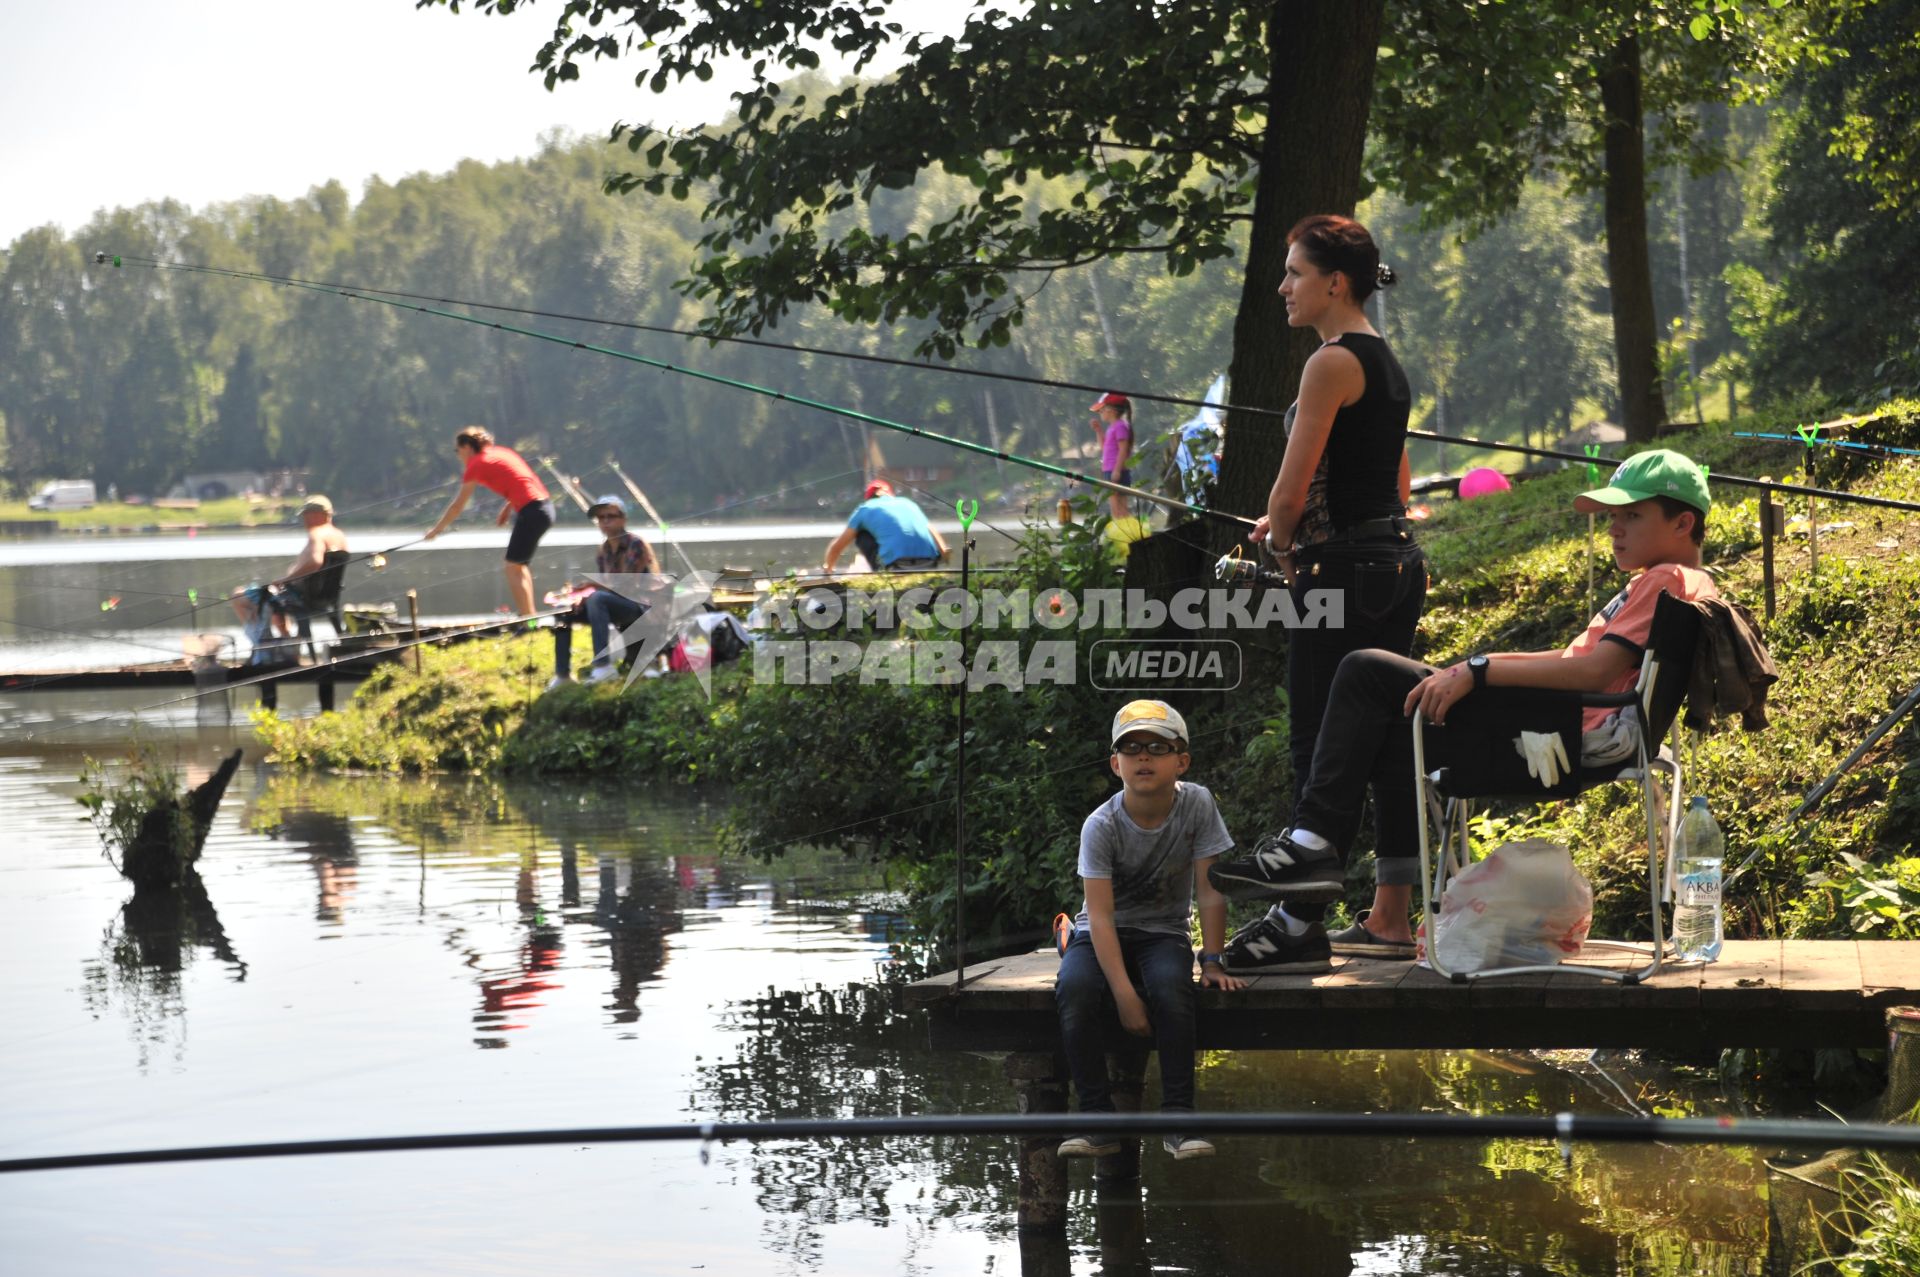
pixel 1658 505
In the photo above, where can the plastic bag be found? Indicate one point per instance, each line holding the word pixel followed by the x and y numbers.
pixel 1524 905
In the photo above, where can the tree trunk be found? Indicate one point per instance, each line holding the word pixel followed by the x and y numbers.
pixel 1643 407
pixel 1320 63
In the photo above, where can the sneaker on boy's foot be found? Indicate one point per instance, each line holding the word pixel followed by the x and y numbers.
pixel 1279 866
pixel 559 680
pixel 1088 1146
pixel 1359 941
pixel 1184 1146
pixel 1264 947
pixel 600 674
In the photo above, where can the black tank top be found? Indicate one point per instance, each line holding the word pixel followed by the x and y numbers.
pixel 1358 477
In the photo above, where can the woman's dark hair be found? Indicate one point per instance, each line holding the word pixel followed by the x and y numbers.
pixel 1335 243
pixel 473 437
pixel 1674 509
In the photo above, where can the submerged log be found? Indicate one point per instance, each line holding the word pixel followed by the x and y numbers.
pixel 171 835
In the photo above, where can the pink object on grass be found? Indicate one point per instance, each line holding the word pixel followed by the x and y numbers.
pixel 1480 481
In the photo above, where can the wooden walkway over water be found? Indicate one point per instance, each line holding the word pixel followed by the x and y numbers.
pixel 1760 993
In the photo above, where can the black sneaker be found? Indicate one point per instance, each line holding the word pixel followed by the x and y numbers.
pixel 1088 1146
pixel 1281 867
pixel 1264 947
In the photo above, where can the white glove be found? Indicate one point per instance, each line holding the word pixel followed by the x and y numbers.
pixel 1546 756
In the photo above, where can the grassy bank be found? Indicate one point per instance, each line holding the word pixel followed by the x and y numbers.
pixel 872 769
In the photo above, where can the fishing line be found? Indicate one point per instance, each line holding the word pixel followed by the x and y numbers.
pixel 1561 1129
pixel 999 454
pixel 87 634
pixel 915 365
pixel 390 297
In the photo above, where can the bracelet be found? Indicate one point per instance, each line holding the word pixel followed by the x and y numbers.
pixel 1217 959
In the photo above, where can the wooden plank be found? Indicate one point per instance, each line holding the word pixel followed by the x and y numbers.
pixel 1672 988
pixel 1424 989
pixel 1570 989
pixel 1890 971
pixel 1759 993
pixel 1746 976
pixel 1364 983
pixel 1821 974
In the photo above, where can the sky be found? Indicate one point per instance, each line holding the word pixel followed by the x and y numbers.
pixel 118 102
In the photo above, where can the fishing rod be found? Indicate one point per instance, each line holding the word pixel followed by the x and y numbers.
pixel 1562 1129
pixel 1884 449
pixel 917 365
pixel 999 454
pixel 566 485
pixel 399 299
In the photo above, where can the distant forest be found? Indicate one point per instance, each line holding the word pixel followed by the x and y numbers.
pixel 1774 277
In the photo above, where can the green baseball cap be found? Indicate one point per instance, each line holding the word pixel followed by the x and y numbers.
pixel 1660 473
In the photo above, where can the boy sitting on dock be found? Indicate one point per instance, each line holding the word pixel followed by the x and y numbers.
pixel 1130 962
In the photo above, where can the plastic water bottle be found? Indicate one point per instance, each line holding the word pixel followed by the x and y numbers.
pixel 1696 901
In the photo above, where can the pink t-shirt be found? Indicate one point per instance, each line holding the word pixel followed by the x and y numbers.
pixel 503 473
pixel 1118 432
pixel 1628 618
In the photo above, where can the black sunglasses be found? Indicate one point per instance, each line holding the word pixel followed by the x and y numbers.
pixel 1158 748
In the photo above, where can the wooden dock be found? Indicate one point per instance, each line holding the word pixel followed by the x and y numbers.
pixel 1761 993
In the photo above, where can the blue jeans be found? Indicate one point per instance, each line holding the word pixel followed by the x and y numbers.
pixel 603 610
pixel 1161 968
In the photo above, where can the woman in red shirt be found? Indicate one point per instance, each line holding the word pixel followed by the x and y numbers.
pixel 502 472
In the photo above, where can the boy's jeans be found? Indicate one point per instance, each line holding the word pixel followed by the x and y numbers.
pixel 1161 968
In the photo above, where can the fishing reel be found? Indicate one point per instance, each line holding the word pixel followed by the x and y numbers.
pixel 1235 568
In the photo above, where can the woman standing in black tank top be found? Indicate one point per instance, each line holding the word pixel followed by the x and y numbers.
pixel 1336 519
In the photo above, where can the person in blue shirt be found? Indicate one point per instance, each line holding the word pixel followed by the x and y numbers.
pixel 890 531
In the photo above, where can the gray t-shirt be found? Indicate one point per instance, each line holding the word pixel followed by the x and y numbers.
pixel 1151 869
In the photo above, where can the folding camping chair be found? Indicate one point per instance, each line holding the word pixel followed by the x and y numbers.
pixel 1446 796
pixel 317 594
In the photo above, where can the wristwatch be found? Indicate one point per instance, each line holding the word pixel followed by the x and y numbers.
pixel 1217 959
pixel 1477 666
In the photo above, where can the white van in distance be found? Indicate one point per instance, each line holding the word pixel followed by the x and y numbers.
pixel 64 494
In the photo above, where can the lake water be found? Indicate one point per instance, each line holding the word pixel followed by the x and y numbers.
pixel 377 957
pixel 81 601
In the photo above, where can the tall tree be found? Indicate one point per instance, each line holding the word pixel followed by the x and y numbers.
pixel 1476 96
pixel 1182 127
pixel 1836 309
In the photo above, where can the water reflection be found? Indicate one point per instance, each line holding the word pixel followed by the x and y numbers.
pixel 399 934
pixel 1301 1205
pixel 326 839
pixel 144 952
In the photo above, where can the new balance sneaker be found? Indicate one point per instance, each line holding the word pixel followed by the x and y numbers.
pixel 1279 866
pixel 1357 941
pixel 1183 1147
pixel 1264 947
pixel 1088 1146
